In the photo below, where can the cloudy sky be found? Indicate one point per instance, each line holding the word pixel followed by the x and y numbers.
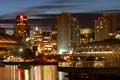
pixel 34 8
pixel 43 12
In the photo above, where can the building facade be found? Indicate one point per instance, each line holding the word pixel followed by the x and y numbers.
pixel 105 27
pixel 67 33
pixel 54 37
pixel 86 35
pixel 75 35
pixel 36 39
pixel 21 29
pixel 42 42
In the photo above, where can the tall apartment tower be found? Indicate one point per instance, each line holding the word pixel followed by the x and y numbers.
pixel 64 32
pixel 66 35
pixel 75 34
pixel 21 29
pixel 111 24
pixel 105 27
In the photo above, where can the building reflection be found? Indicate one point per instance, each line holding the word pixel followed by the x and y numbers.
pixel 13 72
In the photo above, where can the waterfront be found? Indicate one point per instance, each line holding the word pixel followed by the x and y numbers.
pixel 79 70
pixel 39 72
pixel 59 40
pixel 67 67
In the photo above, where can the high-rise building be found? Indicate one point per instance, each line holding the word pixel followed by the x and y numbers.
pixel 54 37
pixel 67 33
pixel 64 32
pixel 21 29
pixel 86 35
pixel 101 32
pixel 36 36
pixel 105 27
pixel 111 24
pixel 75 34
pixel 47 42
pixel 36 40
pixel 41 42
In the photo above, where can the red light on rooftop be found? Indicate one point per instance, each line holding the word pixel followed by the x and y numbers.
pixel 21 16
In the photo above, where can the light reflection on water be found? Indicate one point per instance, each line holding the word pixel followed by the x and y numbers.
pixel 41 72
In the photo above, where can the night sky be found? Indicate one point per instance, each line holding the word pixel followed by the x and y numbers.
pixel 43 12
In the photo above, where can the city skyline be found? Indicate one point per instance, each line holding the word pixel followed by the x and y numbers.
pixel 83 41
pixel 42 11
pixel 45 11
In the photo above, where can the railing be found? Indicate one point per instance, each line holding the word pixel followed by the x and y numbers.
pixel 94 64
